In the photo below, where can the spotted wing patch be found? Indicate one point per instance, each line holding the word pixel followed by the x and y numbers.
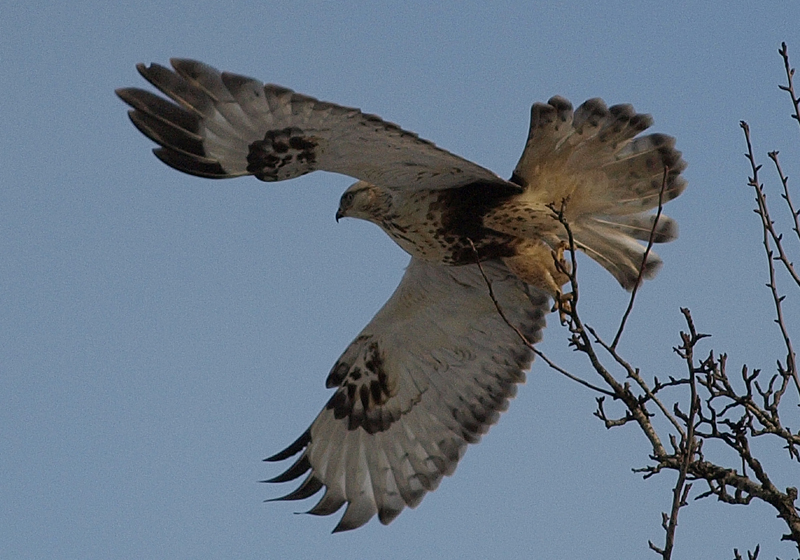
pixel 282 154
pixel 364 388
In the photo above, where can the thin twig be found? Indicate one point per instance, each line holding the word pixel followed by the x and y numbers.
pixel 770 233
pixel 642 266
pixel 762 209
pixel 784 52
pixel 520 334
pixel 688 445
pixel 785 182
pixel 575 378
pixel 634 374
pixel 524 338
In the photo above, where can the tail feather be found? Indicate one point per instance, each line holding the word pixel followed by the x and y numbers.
pixel 551 125
pixel 617 252
pixel 626 180
pixel 600 132
pixel 640 226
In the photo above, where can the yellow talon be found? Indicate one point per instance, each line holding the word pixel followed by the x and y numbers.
pixel 563 304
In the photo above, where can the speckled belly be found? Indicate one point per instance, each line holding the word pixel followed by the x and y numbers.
pixel 426 242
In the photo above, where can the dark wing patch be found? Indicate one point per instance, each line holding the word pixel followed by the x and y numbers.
pixel 288 148
pixel 364 388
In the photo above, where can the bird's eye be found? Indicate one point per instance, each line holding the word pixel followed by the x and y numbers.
pixel 347 198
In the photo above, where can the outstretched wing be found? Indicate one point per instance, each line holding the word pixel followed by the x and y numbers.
pixel 224 125
pixel 428 375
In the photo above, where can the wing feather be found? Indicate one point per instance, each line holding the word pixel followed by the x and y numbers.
pixel 221 125
pixel 440 358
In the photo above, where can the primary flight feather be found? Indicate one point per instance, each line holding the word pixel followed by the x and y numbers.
pixel 437 364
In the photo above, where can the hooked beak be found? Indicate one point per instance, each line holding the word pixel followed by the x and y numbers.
pixel 339 215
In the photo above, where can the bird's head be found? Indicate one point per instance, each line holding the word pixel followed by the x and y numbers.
pixel 365 201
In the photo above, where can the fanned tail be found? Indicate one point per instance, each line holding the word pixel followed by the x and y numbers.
pixel 609 178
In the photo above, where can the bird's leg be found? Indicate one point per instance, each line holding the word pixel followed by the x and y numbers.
pixel 563 304
pixel 562 301
pixel 536 264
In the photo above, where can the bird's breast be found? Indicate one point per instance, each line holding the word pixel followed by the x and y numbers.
pixel 447 227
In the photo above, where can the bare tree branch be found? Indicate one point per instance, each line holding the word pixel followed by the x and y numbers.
pixel 785 182
pixel 784 52
pixel 718 408
pixel 768 227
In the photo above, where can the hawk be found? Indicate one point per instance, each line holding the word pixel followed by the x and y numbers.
pixel 436 366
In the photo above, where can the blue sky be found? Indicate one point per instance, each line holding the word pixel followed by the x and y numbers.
pixel 161 334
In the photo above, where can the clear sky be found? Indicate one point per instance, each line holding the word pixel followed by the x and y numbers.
pixel 161 334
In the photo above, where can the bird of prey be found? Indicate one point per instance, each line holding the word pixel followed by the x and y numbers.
pixel 437 364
